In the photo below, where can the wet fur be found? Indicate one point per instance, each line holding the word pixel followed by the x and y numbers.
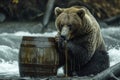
pixel 86 49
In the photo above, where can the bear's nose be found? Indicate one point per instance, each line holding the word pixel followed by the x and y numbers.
pixel 65 31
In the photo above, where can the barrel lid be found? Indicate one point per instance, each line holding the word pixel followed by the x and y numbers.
pixel 42 42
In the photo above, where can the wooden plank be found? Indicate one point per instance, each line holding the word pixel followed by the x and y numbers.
pixel 38 65
pixel 37 44
pixel 32 38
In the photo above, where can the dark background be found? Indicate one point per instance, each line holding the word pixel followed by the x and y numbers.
pixel 27 10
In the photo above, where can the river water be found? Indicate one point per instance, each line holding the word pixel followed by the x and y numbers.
pixel 10 44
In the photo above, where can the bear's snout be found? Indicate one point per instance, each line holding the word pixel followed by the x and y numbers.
pixel 65 32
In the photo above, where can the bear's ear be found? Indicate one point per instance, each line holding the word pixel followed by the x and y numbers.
pixel 81 13
pixel 58 11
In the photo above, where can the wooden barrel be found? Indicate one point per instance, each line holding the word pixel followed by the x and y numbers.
pixel 38 57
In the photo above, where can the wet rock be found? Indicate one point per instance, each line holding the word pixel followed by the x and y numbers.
pixel 2 17
pixel 113 20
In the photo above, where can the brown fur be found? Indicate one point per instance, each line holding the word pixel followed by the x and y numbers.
pixel 85 38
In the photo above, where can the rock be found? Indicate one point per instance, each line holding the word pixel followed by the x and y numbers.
pixel 115 20
pixel 2 17
pixel 103 24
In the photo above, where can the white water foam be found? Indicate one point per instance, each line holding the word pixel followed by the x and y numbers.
pixel 8 53
pixel 111 30
pixel 114 56
pixel 21 33
pixel 9 68
pixel 7 50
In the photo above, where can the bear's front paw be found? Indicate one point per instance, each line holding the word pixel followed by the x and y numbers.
pixel 57 38
pixel 60 41
pixel 69 45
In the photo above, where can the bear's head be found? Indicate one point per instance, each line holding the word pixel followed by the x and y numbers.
pixel 69 21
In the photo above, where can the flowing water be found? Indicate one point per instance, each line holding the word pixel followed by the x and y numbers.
pixel 10 44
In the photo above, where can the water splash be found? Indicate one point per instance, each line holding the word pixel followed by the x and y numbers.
pixel 22 33
pixel 114 56
pixel 7 53
pixel 9 68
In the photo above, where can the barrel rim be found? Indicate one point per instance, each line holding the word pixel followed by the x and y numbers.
pixel 31 38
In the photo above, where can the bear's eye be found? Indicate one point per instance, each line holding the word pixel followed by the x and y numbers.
pixel 70 26
pixel 61 25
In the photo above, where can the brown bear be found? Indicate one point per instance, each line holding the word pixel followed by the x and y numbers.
pixel 85 45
